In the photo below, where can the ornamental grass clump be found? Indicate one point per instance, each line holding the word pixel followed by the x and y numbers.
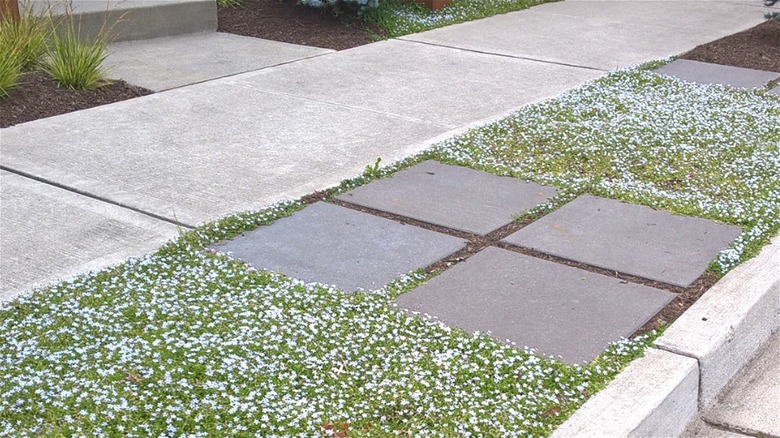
pixel 23 39
pixel 22 43
pixel 75 62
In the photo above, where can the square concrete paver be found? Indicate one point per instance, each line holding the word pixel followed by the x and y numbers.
pixel 775 91
pixel 706 73
pixel 629 238
pixel 556 309
pixel 334 245
pixel 451 196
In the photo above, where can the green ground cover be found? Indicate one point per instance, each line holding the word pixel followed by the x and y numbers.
pixel 185 342
pixel 399 18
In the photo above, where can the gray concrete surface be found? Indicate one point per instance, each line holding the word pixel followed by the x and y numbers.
pixel 436 84
pixel 599 34
pixel 334 245
pixel 134 19
pixel 725 328
pixel 241 142
pixel 196 153
pixel 655 396
pixel 164 63
pixel 555 309
pixel 706 73
pixel 700 429
pixel 775 91
pixel 451 196
pixel 49 234
pixel 628 238
pixel 751 403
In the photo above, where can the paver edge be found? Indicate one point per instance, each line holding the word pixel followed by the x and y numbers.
pixel 750 328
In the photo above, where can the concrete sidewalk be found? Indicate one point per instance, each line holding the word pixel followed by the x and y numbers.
pixel 195 153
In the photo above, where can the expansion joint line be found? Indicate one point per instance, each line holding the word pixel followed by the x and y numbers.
pixel 95 197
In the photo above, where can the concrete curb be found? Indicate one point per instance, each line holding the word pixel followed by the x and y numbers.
pixel 654 396
pixel 662 393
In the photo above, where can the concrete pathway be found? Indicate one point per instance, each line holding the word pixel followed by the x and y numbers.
pixel 49 233
pixel 195 153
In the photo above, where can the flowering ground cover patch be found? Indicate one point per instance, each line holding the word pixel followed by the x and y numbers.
pixel 188 343
pixel 398 18
pixel 697 150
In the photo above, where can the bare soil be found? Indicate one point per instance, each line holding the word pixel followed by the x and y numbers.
pixel 757 48
pixel 289 22
pixel 38 96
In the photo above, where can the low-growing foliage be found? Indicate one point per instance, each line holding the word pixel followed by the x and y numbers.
pixel 401 18
pixel 190 343
pixel 699 150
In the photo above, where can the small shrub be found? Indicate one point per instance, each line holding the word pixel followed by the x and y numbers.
pixel 75 63
pixel 337 5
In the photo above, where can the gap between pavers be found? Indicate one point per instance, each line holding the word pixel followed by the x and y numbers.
pixel 628 238
pixel 554 309
pixel 164 63
pixel 49 234
pixel 706 73
pixel 745 304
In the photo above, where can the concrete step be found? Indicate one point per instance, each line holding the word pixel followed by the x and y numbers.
pixel 133 19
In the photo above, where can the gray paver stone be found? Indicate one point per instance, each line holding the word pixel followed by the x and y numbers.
pixel 628 238
pixel 775 91
pixel 555 309
pixel 451 196
pixel 706 73
pixel 334 245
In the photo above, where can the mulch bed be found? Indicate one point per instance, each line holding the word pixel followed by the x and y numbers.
pixel 286 21
pixel 38 96
pixel 757 48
